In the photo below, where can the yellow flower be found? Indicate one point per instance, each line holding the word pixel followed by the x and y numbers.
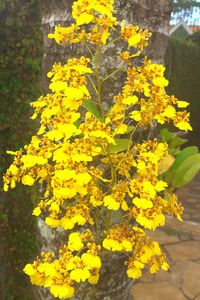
pixel 58 86
pixel 13 169
pixel 112 245
pixel 66 174
pixel 53 223
pixel 142 203
pixel 127 245
pixel 169 112
pixel 84 12
pixel 61 291
pixel 55 135
pixel 80 220
pixel 75 242
pixel 165 266
pixel 93 279
pixel 111 203
pixel 29 269
pixel 160 81
pixel 160 186
pixel 149 188
pixel 84 19
pixel 91 261
pixel 36 212
pixel 32 160
pixel 28 180
pixel 135 115
pixel 134 273
pixel 182 104
pixel 79 275
pixel 134 40
pixel 130 100
pixel 5 187
pixel 122 128
pixel 184 125
pixel 67 223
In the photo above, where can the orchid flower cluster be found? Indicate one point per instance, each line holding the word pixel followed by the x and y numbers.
pixel 101 186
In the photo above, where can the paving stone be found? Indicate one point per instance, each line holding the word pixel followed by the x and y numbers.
pixel 188 227
pixel 162 237
pixel 176 273
pixel 196 218
pixel 184 251
pixel 196 229
pixel 187 216
pixel 191 280
pixel 156 291
pixel 185 236
pixel 191 200
pixel 160 276
pixel 189 210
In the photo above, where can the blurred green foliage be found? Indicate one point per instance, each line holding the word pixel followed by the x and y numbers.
pixel 180 33
pixel 20 71
pixel 183 71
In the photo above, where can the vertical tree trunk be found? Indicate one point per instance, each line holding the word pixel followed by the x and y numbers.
pixel 150 14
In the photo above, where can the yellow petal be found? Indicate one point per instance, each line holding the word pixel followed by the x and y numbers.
pixel 36 212
pixel 182 104
pixel 28 180
pixel 135 115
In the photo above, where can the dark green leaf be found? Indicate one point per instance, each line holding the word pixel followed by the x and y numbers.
pixel 172 138
pixel 77 123
pixel 129 129
pixel 189 151
pixel 187 170
pixel 93 109
pixel 167 135
pixel 121 145
pixel 177 141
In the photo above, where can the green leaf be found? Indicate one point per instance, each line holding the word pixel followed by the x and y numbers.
pixel 93 109
pixel 130 128
pixel 121 145
pixel 172 138
pixel 177 141
pixel 77 123
pixel 189 151
pixel 167 135
pixel 187 170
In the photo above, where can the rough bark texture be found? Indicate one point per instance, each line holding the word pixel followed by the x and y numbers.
pixel 150 14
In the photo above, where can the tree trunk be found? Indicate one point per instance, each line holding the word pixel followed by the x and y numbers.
pixel 150 14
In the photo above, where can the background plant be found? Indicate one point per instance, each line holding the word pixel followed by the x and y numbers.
pixel 20 73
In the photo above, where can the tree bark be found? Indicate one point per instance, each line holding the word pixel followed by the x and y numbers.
pixel 150 14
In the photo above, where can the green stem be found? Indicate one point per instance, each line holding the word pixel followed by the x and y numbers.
pixel 112 73
pixel 92 82
pixel 97 58
pixel 111 42
pixel 89 50
pixel 129 145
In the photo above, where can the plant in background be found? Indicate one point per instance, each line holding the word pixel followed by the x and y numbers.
pixel 101 184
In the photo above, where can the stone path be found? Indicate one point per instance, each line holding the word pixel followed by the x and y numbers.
pixel 181 242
